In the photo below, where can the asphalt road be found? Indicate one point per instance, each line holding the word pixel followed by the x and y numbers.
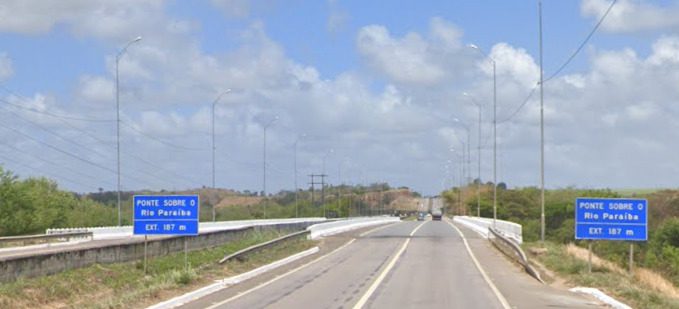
pixel 404 265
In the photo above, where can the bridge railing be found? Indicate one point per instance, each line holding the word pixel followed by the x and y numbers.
pixel 25 239
pixel 126 231
pixel 507 228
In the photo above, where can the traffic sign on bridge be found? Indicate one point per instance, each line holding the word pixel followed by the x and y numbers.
pixel 166 214
pixel 611 219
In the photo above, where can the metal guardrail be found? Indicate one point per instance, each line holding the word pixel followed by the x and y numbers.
pixel 25 238
pixel 513 250
pixel 249 250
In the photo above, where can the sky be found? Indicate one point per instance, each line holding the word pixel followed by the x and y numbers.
pixel 368 91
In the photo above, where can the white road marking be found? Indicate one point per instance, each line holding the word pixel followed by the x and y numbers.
pixel 279 277
pixel 364 299
pixel 497 293
pixel 375 229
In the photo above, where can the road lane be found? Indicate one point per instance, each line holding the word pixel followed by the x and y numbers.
pixel 435 271
pixel 401 266
pixel 336 281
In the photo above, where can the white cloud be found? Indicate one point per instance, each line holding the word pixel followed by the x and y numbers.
pixel 100 18
pixel 415 59
pixel 397 126
pixel 641 112
pixel 234 8
pixel 447 34
pixel 96 89
pixel 6 69
pixel 665 49
pixel 404 60
pixel 337 17
pixel 631 16
pixel 513 62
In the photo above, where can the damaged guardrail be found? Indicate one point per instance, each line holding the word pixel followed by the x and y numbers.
pixel 513 250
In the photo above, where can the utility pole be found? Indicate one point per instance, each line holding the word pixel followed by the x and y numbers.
pixel 118 56
pixel 264 162
pixel 313 184
pixel 542 140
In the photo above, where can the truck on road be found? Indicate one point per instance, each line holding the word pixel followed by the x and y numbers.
pixel 436 215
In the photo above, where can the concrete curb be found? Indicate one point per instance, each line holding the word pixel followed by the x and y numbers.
pixel 328 229
pixel 601 296
pixel 226 282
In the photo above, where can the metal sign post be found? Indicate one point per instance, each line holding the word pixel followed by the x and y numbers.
pixel 589 257
pixel 146 238
pixel 631 258
pixel 186 254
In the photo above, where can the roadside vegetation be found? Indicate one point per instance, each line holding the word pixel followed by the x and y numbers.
pixel 522 205
pixel 643 289
pixel 124 285
pixel 32 205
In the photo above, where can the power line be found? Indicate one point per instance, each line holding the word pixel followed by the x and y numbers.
pixel 79 158
pixel 84 132
pixel 3 87
pixel 525 101
pixel 566 63
pixel 51 132
pixel 36 170
pixel 51 162
pixel 582 45
pixel 166 143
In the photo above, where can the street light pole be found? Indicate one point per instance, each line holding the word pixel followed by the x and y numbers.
pixel 118 56
pixel 214 103
pixel 264 161
pixel 478 184
pixel 494 131
pixel 494 144
pixel 466 152
pixel 542 140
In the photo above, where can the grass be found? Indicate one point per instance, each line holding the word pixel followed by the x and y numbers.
pixel 124 285
pixel 636 191
pixel 643 289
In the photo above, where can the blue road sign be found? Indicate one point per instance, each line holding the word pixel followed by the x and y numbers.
pixel 166 214
pixel 611 219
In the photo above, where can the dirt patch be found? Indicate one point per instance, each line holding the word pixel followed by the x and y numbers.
pixel 643 275
pixel 239 200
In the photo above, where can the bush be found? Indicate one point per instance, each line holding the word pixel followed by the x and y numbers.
pixel 32 205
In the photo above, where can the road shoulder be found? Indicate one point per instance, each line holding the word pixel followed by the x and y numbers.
pixel 520 289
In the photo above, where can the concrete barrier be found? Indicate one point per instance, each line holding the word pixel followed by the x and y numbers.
pixel 481 229
pixel 112 232
pixel 481 225
pixel 124 250
pixel 341 226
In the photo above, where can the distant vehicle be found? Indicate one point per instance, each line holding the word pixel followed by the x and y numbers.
pixel 421 216
pixel 436 215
